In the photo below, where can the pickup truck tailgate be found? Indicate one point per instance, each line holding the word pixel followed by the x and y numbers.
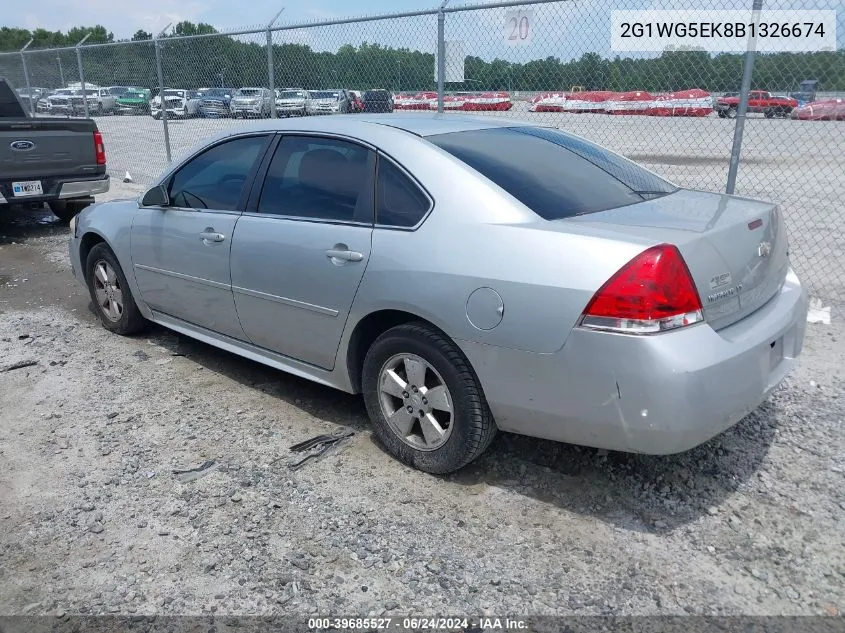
pixel 41 148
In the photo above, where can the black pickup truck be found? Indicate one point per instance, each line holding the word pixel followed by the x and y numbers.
pixel 58 161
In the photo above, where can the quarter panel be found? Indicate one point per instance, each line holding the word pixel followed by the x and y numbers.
pixel 545 278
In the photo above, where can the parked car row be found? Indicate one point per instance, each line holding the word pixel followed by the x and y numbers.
pixel 71 101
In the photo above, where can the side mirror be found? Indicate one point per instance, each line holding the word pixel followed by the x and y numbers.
pixel 156 197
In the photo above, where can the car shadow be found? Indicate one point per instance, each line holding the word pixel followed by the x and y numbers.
pixel 18 223
pixel 635 492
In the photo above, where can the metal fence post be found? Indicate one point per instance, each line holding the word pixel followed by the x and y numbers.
pixel 26 76
pixel 271 71
pixel 61 70
pixel 82 75
pixel 742 110
pixel 441 54
pixel 160 74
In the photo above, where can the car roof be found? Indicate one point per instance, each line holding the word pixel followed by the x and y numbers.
pixel 416 123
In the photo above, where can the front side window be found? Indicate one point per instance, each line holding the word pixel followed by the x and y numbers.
pixel 215 179
pixel 319 178
pixel 555 174
pixel 399 202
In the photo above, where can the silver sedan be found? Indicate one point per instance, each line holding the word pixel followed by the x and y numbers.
pixel 467 275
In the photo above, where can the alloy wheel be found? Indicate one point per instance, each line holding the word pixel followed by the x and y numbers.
pixel 416 402
pixel 107 290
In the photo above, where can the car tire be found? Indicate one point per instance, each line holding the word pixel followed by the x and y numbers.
pixel 122 316
pixel 731 113
pixel 465 425
pixel 769 113
pixel 65 210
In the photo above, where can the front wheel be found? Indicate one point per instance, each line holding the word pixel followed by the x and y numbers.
pixel 424 400
pixel 110 292
pixel 731 113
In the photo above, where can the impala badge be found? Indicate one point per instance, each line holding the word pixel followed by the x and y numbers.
pixel 764 249
pixel 720 280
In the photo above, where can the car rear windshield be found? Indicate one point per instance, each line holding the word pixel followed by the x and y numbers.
pixel 555 174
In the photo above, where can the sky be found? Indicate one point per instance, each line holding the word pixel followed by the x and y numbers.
pixel 564 29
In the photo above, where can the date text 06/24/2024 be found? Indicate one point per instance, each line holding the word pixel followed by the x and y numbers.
pixel 414 623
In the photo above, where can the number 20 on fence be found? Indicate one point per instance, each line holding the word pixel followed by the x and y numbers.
pixel 519 27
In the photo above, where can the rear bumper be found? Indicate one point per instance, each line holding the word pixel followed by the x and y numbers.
pixel 57 189
pixel 649 394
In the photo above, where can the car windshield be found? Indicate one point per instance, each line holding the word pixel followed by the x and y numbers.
pixel 555 174
pixel 292 94
pixel 325 94
pixel 132 94
pixel 173 93
pixel 217 92
pixel 248 92
pixel 118 90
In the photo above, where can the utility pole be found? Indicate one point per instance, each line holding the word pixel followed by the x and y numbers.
pixel 82 74
pixel 441 54
pixel 157 44
pixel 26 76
pixel 271 71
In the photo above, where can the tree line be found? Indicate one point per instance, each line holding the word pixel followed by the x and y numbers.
pixel 220 59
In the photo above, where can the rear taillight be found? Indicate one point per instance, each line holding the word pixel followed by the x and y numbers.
pixel 654 292
pixel 99 148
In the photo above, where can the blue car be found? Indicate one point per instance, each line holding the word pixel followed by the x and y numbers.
pixel 215 102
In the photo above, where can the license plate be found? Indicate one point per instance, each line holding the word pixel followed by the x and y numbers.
pixel 27 188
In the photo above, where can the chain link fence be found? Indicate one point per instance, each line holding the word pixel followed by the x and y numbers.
pixel 548 61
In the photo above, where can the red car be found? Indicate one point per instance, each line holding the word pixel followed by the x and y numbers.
pixel 825 110
pixel 759 101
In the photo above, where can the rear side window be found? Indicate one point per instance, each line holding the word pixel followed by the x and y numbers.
pixel 319 179
pixel 555 174
pixel 400 202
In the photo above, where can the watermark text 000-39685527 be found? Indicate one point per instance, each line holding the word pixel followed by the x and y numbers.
pixel 724 30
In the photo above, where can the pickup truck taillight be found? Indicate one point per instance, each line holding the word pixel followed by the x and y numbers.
pixel 99 148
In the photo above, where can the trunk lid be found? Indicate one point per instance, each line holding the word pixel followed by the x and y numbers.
pixel 735 248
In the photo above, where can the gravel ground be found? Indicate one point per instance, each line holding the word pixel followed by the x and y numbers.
pixel 93 519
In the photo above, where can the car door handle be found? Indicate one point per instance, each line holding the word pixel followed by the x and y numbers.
pixel 344 254
pixel 210 235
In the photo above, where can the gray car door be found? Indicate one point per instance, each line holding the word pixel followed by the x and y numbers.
pixel 300 250
pixel 180 253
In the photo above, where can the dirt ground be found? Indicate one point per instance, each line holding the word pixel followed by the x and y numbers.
pixel 94 520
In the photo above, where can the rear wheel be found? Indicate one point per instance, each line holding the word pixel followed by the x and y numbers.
pixel 731 114
pixel 769 113
pixel 424 400
pixel 110 293
pixel 65 210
